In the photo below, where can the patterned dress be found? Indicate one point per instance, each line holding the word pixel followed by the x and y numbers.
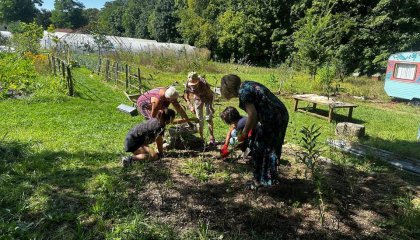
pixel 144 104
pixel 269 137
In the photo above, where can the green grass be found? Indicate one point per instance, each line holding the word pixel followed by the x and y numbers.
pixel 60 176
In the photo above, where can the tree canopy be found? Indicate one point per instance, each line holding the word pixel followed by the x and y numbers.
pixel 354 35
pixel 18 10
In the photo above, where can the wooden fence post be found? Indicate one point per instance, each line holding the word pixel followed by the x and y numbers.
pixel 116 73
pixel 54 66
pixel 107 66
pixel 99 65
pixel 49 61
pixel 70 82
pixel 126 78
pixel 138 76
pixel 63 69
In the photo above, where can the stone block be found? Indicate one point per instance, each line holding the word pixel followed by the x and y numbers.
pixel 348 129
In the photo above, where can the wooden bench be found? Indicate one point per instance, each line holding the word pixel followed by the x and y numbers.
pixel 322 100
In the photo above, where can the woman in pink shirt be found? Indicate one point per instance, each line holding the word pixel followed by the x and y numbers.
pixel 149 103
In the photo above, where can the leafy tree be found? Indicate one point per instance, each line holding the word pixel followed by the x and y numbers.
pixel 18 10
pixel 198 26
pixel 110 20
pixel 92 17
pixel 165 22
pixel 26 37
pixel 68 14
pixel 318 36
pixel 136 18
pixel 43 18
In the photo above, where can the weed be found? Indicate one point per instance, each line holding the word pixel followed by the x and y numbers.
pixel 201 170
pixel 310 157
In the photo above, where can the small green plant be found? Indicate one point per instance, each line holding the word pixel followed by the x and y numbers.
pixel 311 150
pixel 409 214
pixel 202 170
pixel 325 78
pixel 310 156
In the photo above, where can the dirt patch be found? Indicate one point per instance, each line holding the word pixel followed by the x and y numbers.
pixel 355 201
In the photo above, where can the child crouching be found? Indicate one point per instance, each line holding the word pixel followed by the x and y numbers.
pixel 145 133
pixel 236 124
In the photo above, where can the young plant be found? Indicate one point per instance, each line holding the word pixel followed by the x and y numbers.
pixel 310 156
pixel 311 150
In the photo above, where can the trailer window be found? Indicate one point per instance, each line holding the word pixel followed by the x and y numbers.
pixel 405 71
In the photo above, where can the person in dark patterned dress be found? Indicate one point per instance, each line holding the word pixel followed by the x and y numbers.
pixel 262 107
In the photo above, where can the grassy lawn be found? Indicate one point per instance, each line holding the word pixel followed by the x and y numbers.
pixel 60 176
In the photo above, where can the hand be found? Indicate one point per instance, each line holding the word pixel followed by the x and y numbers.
pixel 224 151
pixel 192 109
pixel 243 136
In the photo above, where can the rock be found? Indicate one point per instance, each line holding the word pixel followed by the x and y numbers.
pixel 350 129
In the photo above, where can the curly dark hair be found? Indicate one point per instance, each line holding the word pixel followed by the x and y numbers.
pixel 230 115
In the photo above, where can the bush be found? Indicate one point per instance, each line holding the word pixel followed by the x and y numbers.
pixel 17 75
pixel 26 37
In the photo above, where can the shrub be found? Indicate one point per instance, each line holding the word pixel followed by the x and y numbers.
pixel 26 37
pixel 17 75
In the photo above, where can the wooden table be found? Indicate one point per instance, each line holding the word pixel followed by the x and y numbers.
pixel 322 100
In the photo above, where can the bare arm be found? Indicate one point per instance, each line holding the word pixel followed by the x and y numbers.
pixel 180 110
pixel 228 135
pixel 159 144
pixel 252 120
pixel 155 103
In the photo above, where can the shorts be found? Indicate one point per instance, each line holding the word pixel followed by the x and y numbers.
pixel 132 143
pixel 199 110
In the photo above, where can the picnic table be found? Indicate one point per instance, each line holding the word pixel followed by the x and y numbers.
pixel 322 100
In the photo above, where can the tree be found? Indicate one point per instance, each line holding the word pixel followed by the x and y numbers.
pixel 43 18
pixel 136 18
pixel 165 22
pixel 26 37
pixel 68 14
pixel 110 20
pixel 319 35
pixel 18 10
pixel 92 17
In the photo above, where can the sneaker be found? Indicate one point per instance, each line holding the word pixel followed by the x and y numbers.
pixel 126 161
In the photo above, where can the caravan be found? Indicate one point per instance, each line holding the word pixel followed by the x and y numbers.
pixel 403 75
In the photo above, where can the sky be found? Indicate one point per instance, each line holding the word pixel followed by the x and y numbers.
pixel 49 4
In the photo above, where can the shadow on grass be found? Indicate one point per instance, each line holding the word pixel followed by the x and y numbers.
pixel 58 194
pixel 403 148
pixel 341 116
pixel 73 195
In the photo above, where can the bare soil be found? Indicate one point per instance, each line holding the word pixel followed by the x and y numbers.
pixel 356 202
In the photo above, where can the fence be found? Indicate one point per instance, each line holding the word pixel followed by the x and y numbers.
pixel 120 73
pixel 62 68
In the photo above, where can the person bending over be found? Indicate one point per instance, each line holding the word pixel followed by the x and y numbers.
pixel 150 102
pixel 262 107
pixel 138 139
